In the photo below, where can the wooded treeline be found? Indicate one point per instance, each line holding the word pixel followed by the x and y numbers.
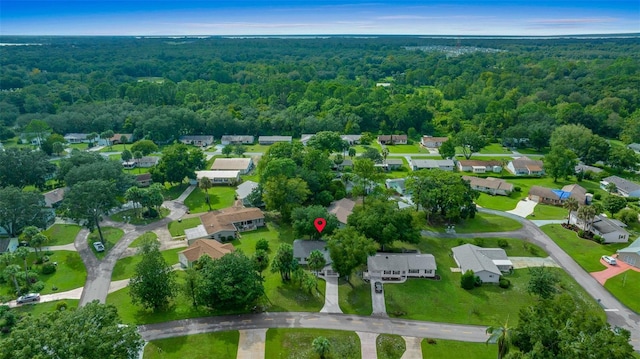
pixel 159 88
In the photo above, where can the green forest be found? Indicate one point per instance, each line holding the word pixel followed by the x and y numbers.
pixel 161 88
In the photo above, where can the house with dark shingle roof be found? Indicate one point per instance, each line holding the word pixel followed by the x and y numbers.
pixel 624 187
pixel 611 230
pixel 303 248
pixel 342 209
pixel 558 197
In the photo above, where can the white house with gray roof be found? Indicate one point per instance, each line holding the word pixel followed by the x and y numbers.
pixel 244 190
pixel 400 266
pixel 611 230
pixel 270 140
pixel 486 263
pixel 624 187
pixel 631 254
pixel 445 165
pixel 303 248
pixel 236 140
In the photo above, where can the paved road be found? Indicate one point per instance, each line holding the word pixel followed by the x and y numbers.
pixel 467 333
pixel 617 313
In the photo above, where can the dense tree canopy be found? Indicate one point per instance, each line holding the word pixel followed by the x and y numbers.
pixel 19 209
pixel 22 167
pixel 383 222
pixel 153 285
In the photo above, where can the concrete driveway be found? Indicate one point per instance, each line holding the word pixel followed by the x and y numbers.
pixel 377 299
pixel 524 208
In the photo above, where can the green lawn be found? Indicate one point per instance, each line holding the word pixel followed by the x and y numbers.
pixel 355 299
pixel 172 192
pixel 133 218
pixel 176 228
pixel 451 349
pixel 390 346
pixel 501 203
pixel 273 233
pixel 257 148
pixel 494 148
pixel 415 148
pixel 111 236
pixel 545 211
pixel 115 148
pixel 40 308
pixel 61 234
pixel 296 344
pixel 125 267
pixel 138 241
pixel 219 196
pixel 626 286
pixel 483 222
pixel 514 248
pixel 289 297
pixel 198 346
pixel 586 253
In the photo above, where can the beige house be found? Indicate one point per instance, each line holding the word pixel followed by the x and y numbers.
pixel 236 140
pixel 342 209
pixel 392 139
pixel 433 142
pixel 524 166
pixel 226 223
pixel 197 140
pixel 491 185
pixel 478 166
pixel 243 165
pixel 220 177
pixel 558 197
pixel 203 247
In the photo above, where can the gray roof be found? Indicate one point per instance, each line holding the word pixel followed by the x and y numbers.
pixel 351 138
pixel 394 162
pixel 478 259
pixel 585 168
pixel 622 184
pixel 196 138
pixel 77 136
pixel 432 163
pixel 196 232
pixel 633 247
pixel 245 188
pixel 237 138
pixel 275 138
pixel 401 262
pixel 605 225
pixel 4 244
pixel 302 248
pixel 634 146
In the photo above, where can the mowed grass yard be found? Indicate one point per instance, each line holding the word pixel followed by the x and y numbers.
pixel 626 286
pixel 483 222
pixel 111 236
pixel 61 234
pixel 501 203
pixel 125 267
pixel 451 349
pixel 219 197
pixel 585 252
pixel 198 346
pixel 545 211
pixel 390 346
pixel 176 228
pixel 355 298
pixel 297 344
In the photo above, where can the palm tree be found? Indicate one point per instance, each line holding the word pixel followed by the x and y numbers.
pixel 500 335
pixel 586 214
pixel 37 242
pixel 322 346
pixel 23 252
pixel 385 153
pixel 571 204
pixel 12 271
pixel 205 184
pixel 138 155
pixel 352 152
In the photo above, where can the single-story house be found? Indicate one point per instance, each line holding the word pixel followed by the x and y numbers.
pixel 76 138
pixel 8 245
pixel 433 142
pixel 236 140
pixel 305 137
pixel 624 187
pixel 147 161
pixel 558 197
pixel 303 248
pixel 478 166
pixel 129 165
pixel 524 166
pixel 244 190
pixel 631 254
pixel 490 185
pixel 351 139
pixel 220 177
pixel 225 223
pixel 486 263
pixel 390 164
pixel 399 267
pixel 33 138
pixel 611 230
pixel 197 140
pixel 383 84
pixel 342 209
pixel 345 163
pixel 203 247
pixel 445 165
pixel 581 167
pixel 144 180
pixel 244 165
pixel 634 146
pixel 117 139
pixel 396 184
pixel 52 199
pixel 270 140
pixel 392 139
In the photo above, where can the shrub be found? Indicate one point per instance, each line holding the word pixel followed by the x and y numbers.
pixel 48 268
pixel 504 283
pixel 581 233
pixel 37 286
pixel 262 244
pixel 628 216
pixel 61 306
pixel 461 242
pixel 467 281
pixel 431 341
pixel 598 239
pixel 503 243
pixel 517 189
pixel 477 282
pixel 597 196
pixel 479 242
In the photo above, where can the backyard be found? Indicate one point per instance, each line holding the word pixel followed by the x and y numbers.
pixel 219 197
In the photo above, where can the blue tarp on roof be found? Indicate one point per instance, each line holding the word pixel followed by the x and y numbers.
pixel 561 194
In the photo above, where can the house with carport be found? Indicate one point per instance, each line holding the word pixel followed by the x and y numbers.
pixel 631 254
pixel 400 266
pixel 270 140
pixel 220 177
pixel 303 248
pixel 236 140
pixel 557 197
pixel 203 247
pixel 611 230
pixel 226 224
pixel 392 139
pixel 479 166
pixel 197 140
pixel 487 263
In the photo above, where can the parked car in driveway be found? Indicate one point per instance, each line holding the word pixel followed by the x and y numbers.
pixel 29 298
pixel 378 287
pixel 610 260
pixel 98 246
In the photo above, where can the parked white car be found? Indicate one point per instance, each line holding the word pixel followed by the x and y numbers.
pixel 612 261
pixel 98 246
pixel 29 298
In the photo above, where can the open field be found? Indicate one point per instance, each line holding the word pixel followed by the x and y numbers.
pixel 296 343
pixel 483 222
pixel 125 267
pixel 545 211
pixel 198 346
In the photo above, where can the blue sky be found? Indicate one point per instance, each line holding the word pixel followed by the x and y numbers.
pixel 282 17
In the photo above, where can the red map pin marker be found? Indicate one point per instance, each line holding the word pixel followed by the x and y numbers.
pixel 320 223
